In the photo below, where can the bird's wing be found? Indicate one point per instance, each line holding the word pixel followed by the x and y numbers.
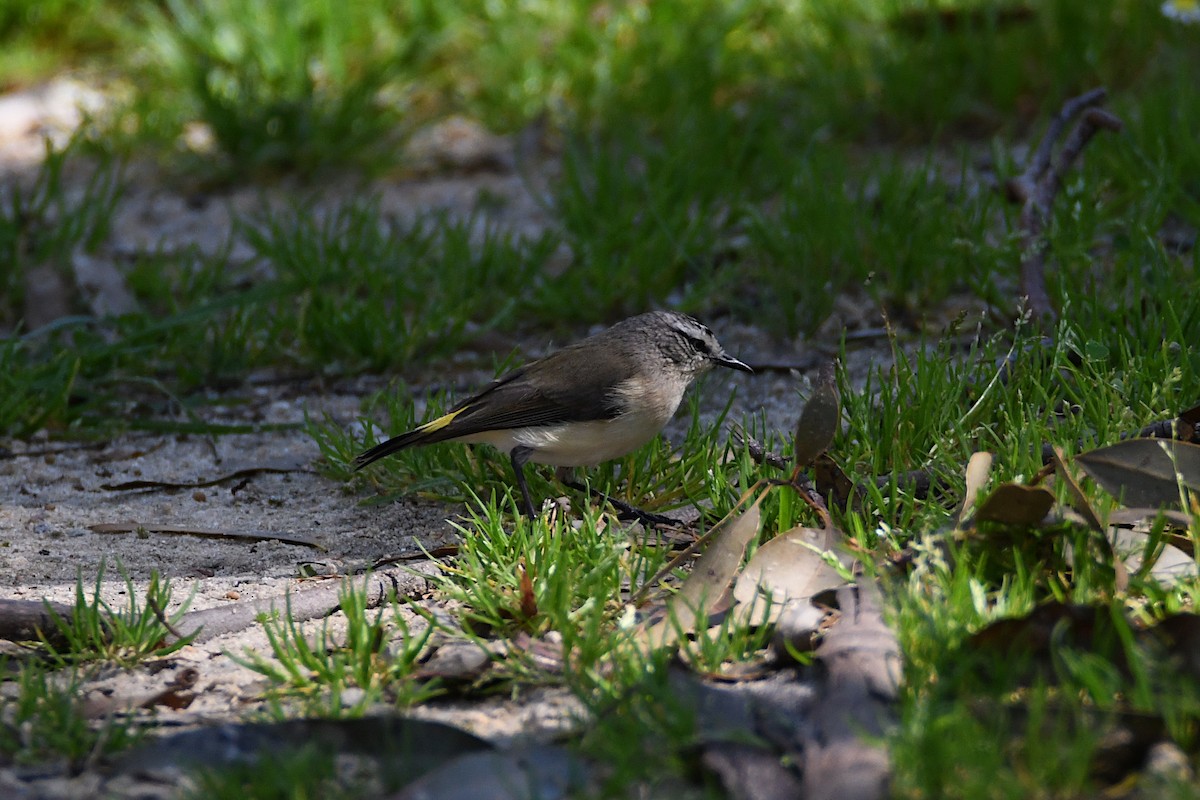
pixel 521 400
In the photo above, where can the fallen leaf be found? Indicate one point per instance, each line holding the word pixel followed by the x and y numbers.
pixel 1079 500
pixel 1180 520
pixel 256 536
pixel 788 567
pixel 820 420
pixel 1015 504
pixel 405 748
pixel 979 470
pixel 1181 633
pixel 1145 472
pixel 1168 565
pixel 529 605
pixel 797 629
pixel 1176 524
pixel 750 771
pixel 532 772
pixel 708 581
pixel 832 481
pixel 1083 507
pixel 1039 635
pixel 845 757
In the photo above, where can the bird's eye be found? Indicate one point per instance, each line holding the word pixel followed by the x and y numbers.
pixel 698 343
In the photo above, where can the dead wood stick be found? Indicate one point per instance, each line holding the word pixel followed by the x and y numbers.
pixel 860 668
pixel 1054 131
pixel 1037 187
pixel 24 620
pixel 311 602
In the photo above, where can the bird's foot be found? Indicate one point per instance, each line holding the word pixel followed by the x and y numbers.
pixel 624 510
pixel 648 518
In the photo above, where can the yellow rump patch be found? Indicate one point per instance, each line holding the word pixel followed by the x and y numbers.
pixel 440 422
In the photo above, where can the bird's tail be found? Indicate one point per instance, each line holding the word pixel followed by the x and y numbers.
pixel 430 432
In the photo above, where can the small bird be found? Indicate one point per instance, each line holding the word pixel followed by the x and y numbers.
pixel 587 403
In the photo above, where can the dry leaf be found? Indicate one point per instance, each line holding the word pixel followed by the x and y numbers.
pixel 1145 472
pixel 789 567
pixel 1079 500
pixel 832 482
pixel 1015 504
pixel 1170 564
pixel 526 772
pixel 1036 638
pixel 404 748
pixel 820 420
pixel 708 581
pixel 979 469
pixel 529 606
pixel 1180 520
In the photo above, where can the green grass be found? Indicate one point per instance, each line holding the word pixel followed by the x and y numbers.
pixel 1033 724
pixel 41 224
pixel 45 717
pixel 99 632
pixel 714 193
pixel 376 654
pixel 43 720
pixel 40 37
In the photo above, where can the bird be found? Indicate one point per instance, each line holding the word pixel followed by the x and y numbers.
pixel 589 402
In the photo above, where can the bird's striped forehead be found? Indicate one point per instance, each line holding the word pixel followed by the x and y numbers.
pixel 689 326
pixel 694 333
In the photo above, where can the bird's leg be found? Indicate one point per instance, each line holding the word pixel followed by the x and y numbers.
pixel 520 456
pixel 624 511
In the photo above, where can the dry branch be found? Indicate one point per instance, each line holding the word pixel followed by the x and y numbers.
pixel 21 620
pixel 1037 187
pixel 311 602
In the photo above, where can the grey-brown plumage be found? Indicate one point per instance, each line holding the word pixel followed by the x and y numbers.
pixel 589 402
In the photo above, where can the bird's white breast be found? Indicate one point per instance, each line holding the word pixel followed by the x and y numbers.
pixel 576 444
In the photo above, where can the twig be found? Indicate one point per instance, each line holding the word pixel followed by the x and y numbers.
pixel 161 616
pixel 23 620
pixel 759 454
pixel 1037 187
pixel 1070 109
pixel 315 601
